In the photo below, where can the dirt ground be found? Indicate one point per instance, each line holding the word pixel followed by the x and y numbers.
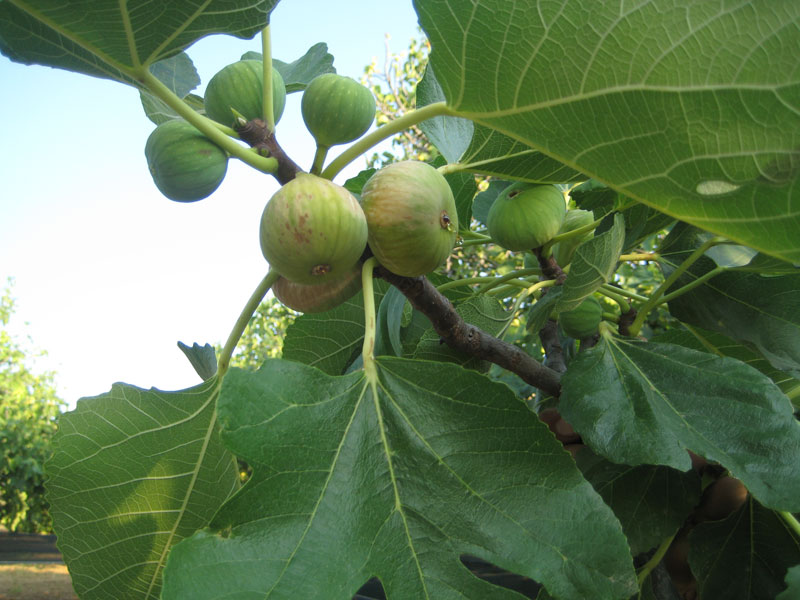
pixel 35 582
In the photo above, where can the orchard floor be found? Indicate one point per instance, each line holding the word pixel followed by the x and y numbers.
pixel 44 581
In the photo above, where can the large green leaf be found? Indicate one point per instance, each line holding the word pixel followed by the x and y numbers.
pixel 636 403
pixel 180 76
pixel 117 40
pixel 744 557
pixel 763 312
pixel 133 472
pixel 716 343
pixel 651 502
pixel 299 73
pixel 396 476
pixel 690 107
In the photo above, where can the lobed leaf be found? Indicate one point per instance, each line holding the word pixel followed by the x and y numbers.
pixel 648 403
pixel 396 477
pixel 691 108
pixel 299 73
pixel 132 473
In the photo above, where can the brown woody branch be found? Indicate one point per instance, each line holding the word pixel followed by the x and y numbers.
pixel 467 338
pixel 257 134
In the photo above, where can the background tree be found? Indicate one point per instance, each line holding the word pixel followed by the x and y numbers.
pixel 29 406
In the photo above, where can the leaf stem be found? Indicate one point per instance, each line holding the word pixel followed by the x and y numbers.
pixel 476 242
pixel 626 293
pixel 206 126
pixel 654 560
pixel 268 113
pixel 412 117
pixel 618 298
pixel 640 256
pixel 494 282
pixel 244 318
pixel 689 286
pixel 370 322
pixel 571 234
pixel 791 521
pixel 653 301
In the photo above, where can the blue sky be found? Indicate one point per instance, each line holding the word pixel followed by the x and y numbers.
pixel 109 274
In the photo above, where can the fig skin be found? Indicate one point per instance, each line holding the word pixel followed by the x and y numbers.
pixel 583 321
pixel 574 219
pixel 185 165
pixel 337 109
pixel 317 298
pixel 721 498
pixel 313 231
pixel 412 217
pixel 526 216
pixel 240 86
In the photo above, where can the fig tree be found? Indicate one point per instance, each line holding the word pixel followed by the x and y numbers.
pixel 337 109
pixel 526 216
pixel 185 165
pixel 240 86
pixel 412 217
pixel 312 230
pixel 574 219
pixel 583 321
pixel 318 298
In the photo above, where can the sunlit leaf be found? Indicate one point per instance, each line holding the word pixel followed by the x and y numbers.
pixel 396 477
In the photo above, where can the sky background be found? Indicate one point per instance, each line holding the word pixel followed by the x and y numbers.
pixel 109 274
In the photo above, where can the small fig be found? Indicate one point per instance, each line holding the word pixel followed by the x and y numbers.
pixel 240 86
pixel 312 230
pixel 337 109
pixel 583 321
pixel 526 216
pixel 574 219
pixel 722 498
pixel 185 165
pixel 318 298
pixel 412 217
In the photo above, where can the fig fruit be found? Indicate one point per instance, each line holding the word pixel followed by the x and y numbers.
pixel 337 109
pixel 526 216
pixel 412 217
pixel 240 86
pixel 318 298
pixel 312 230
pixel 574 219
pixel 583 321
pixel 185 165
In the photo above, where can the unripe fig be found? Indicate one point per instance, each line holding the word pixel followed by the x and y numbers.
pixel 240 86
pixel 526 216
pixel 337 109
pixel 412 217
pixel 185 165
pixel 318 298
pixel 312 230
pixel 722 498
pixel 583 321
pixel 574 219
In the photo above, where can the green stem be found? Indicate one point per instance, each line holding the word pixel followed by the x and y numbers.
pixel 507 277
pixel 244 318
pixel 640 256
pixel 474 235
pixel 207 127
pixel 610 317
pixel 268 113
pixel 412 117
pixel 509 288
pixel 654 560
pixel 370 322
pixel 689 286
pixel 571 234
pixel 319 159
pixel 652 302
pixel 476 242
pixel 625 293
pixel 461 282
pixel 791 521
pixel 623 304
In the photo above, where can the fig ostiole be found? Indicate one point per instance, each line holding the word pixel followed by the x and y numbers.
pixel 412 217
pixel 239 87
pixel 185 165
pixel 318 298
pixel 526 216
pixel 583 321
pixel 312 230
pixel 563 251
pixel 337 109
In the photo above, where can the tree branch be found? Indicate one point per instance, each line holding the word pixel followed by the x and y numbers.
pixel 257 134
pixel 467 338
